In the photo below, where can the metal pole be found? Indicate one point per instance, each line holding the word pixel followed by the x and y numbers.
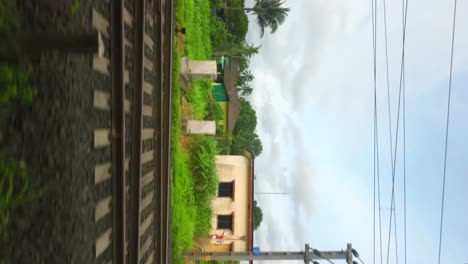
pixel 349 253
pixel 271 193
pixel 306 255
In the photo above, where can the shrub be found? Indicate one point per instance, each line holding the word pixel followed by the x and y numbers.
pixel 203 220
pixel 14 84
pixel 14 190
pixel 203 164
pixel 199 97
pixel 215 112
pixel 237 22
pixel 9 18
pixel 219 34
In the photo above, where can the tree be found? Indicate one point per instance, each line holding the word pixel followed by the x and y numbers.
pixel 245 89
pixel 246 76
pixel 244 133
pixel 257 216
pixel 247 120
pixel 270 14
pixel 238 50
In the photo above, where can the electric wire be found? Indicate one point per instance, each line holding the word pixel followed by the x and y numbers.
pixel 374 64
pixel 392 160
pixel 319 254
pixel 447 130
pixel 360 260
pixel 392 206
pixel 376 137
pixel 404 139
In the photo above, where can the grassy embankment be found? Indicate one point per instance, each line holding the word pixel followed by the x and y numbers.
pixel 193 171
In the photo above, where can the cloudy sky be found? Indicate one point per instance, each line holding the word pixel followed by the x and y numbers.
pixel 313 93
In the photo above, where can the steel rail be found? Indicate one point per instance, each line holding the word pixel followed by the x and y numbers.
pixel 118 133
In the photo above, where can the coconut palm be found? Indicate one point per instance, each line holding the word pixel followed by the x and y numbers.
pixel 245 89
pixel 245 77
pixel 270 14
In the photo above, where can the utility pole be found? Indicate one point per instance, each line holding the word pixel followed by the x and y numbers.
pixel 308 255
pixel 283 193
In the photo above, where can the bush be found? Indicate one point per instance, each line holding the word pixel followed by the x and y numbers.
pixel 203 220
pixel 203 164
pixel 215 112
pixel 237 22
pixel 9 18
pixel 219 34
pixel 217 3
pixel 199 97
pixel 14 84
pixel 14 190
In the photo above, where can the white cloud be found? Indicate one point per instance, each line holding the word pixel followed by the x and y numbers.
pixel 321 58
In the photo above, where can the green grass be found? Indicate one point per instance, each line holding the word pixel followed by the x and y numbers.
pixel 182 200
pixel 14 87
pixel 75 7
pixel 9 18
pixel 14 190
pixel 195 16
pixel 203 167
pixel 193 170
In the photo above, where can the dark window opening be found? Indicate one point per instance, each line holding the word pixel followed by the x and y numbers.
pixel 226 189
pixel 225 222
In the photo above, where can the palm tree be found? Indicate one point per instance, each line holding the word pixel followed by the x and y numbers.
pixel 270 14
pixel 245 89
pixel 245 77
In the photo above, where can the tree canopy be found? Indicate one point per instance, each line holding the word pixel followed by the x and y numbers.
pixel 258 216
pixel 270 14
pixel 244 134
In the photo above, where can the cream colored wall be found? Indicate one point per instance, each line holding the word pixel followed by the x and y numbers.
pixel 235 168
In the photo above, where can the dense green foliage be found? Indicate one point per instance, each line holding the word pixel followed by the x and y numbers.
pixel 270 13
pixel 203 152
pixel 9 18
pixel 215 112
pixel 14 87
pixel 195 16
pixel 193 173
pixel 14 84
pixel 219 262
pixel 258 216
pixel 14 79
pixel 220 38
pixel 236 21
pixel 14 190
pixel 194 184
pixel 244 134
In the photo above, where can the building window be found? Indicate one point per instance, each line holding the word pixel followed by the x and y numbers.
pixel 225 221
pixel 226 189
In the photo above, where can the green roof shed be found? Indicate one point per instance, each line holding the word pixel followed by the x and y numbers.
pixel 219 93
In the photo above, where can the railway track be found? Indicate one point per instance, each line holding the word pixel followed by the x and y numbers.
pixel 132 212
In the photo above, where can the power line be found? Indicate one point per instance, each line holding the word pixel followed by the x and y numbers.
pixel 388 85
pixel 404 137
pixel 376 136
pixel 374 63
pixel 396 135
pixel 318 253
pixel 392 160
pixel 360 260
pixel 447 129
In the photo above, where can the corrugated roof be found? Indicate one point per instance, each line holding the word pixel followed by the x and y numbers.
pixel 231 72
